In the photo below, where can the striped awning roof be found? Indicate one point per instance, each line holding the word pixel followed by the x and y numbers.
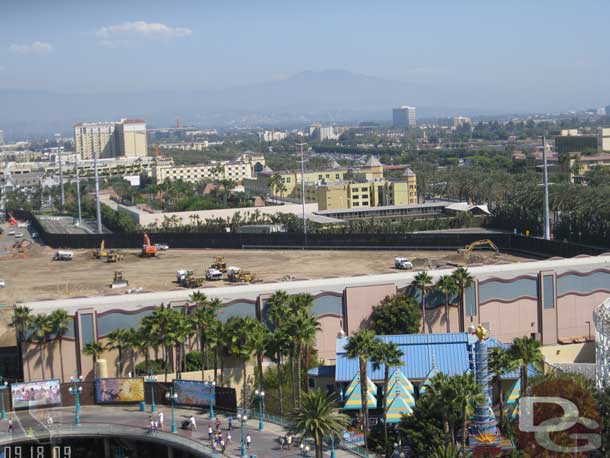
pixel 397 408
pixel 372 388
pixel 398 376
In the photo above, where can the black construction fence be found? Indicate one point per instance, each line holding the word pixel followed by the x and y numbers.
pixel 506 242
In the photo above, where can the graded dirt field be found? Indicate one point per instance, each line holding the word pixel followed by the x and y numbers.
pixel 34 276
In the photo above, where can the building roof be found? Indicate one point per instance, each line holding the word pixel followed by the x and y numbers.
pixel 372 161
pixel 449 353
pixel 266 170
pixel 334 164
pixel 408 173
pixel 466 207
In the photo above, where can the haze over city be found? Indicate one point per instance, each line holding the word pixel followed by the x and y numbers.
pixel 210 61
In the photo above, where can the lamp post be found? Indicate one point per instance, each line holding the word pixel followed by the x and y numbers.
pixel 171 397
pixel 242 417
pixel 333 454
pixel 3 387
pixel 303 191
pixel 151 379
pixel 260 396
pixel 212 392
pixel 75 391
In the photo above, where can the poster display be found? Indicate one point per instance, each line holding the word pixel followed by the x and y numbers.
pixel 113 390
pixel 35 394
pixel 193 393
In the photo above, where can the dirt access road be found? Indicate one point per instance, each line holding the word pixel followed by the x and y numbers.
pixel 34 276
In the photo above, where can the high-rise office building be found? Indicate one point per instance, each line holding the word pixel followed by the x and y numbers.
pixel 404 117
pixel 1 137
pixel 111 139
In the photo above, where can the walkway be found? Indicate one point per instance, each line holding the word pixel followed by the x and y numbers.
pixel 128 421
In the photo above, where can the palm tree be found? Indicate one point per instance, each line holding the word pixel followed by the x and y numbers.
pixel 258 337
pixel 240 344
pixel 182 332
pixel 525 351
pixel 95 350
pixel 388 354
pixel 447 286
pixel 423 281
pixel 117 340
pixel 463 280
pixel 22 321
pixel 276 347
pixel 363 345
pixel 277 310
pixel 135 343
pixel 468 394
pixel 500 363
pixel 443 392
pixel 61 323
pixel 42 326
pixel 319 418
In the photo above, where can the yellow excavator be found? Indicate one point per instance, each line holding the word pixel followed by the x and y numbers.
pixel 100 252
pixel 485 242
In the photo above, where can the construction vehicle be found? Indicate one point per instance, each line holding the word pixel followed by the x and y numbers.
pixel 236 275
pixel 21 245
pixel 100 252
pixel 485 242
pixel 118 281
pixel 114 256
pixel 403 264
pixel 181 275
pixel 11 219
pixel 191 281
pixel 213 274
pixel 219 264
pixel 63 256
pixel 148 250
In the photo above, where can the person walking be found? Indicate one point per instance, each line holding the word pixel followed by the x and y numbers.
pixel 11 426
pixel 282 441
pixel 217 424
pixel 161 419
pixel 193 423
pixel 49 421
pixel 210 432
pixel 230 422
pixel 228 441
pixel 248 441
pixel 222 445
pixel 289 441
pixel 151 424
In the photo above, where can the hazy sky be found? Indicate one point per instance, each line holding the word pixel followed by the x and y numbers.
pixel 534 49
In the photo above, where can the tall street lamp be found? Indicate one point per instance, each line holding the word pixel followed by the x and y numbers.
pixel 303 191
pixel 151 380
pixel 75 391
pixel 171 397
pixel 332 447
pixel 3 388
pixel 260 396
pixel 212 396
pixel 242 417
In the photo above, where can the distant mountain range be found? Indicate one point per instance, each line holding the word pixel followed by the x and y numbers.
pixel 327 96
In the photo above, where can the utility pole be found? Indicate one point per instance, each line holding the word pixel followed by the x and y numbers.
pixel 303 191
pixel 98 209
pixel 80 216
pixel 547 225
pixel 61 180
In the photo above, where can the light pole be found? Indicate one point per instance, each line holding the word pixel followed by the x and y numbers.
pixel 333 454
pixel 303 191
pixel 75 391
pixel 547 225
pixel 151 379
pixel 212 392
pixel 242 417
pixel 260 396
pixel 61 180
pixel 80 216
pixel 171 397
pixel 98 209
pixel 3 388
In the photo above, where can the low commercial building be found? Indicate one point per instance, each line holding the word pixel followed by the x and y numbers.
pixel 577 165
pixel 186 146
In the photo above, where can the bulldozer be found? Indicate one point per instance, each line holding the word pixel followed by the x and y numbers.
pixel 485 242
pixel 191 281
pixel 118 281
pixel 100 252
pixel 236 275
pixel 219 264
pixel 114 256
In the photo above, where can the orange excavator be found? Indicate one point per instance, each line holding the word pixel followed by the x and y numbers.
pixel 11 219
pixel 148 250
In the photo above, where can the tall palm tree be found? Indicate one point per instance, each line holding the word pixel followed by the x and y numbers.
pixel 463 280
pixel 319 418
pixel 134 343
pixel 363 345
pixel 61 323
pixel 240 345
pixel 388 354
pixel 443 392
pixel 446 285
pixel 423 281
pixel 500 363
pixel 468 394
pixel 117 340
pixel 182 331
pixel 525 351
pixel 42 326
pixel 276 346
pixel 277 310
pixel 95 350
pixel 22 321
pixel 258 338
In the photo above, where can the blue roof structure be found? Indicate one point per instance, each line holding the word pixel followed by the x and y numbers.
pixel 451 353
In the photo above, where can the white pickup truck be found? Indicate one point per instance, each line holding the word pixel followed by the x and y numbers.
pixel 403 264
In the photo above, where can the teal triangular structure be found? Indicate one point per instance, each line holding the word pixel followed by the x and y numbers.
pixel 397 389
pixel 511 402
pixel 398 376
pixel 426 383
pixel 397 408
pixel 354 401
pixel 372 388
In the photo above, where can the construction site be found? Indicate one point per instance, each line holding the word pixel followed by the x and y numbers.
pixel 38 272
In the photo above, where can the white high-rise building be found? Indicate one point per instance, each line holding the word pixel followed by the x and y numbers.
pixel 404 117
pixel 111 139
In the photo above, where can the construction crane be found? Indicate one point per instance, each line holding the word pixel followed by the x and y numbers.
pixel 148 250
pixel 485 242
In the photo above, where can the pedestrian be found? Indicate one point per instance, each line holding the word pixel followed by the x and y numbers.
pixel 248 441
pixel 289 441
pixel 151 424
pixel 228 439
pixel 49 421
pixel 282 441
pixel 217 424
pixel 11 426
pixel 230 422
pixel 193 423
pixel 222 445
pixel 210 432
pixel 161 419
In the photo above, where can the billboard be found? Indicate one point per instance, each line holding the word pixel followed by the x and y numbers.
pixel 112 390
pixel 35 394
pixel 193 393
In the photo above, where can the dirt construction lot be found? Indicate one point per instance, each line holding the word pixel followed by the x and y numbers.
pixel 33 275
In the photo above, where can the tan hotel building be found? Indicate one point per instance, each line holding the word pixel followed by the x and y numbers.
pixel 126 138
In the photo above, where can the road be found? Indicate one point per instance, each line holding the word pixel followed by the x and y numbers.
pixel 264 443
